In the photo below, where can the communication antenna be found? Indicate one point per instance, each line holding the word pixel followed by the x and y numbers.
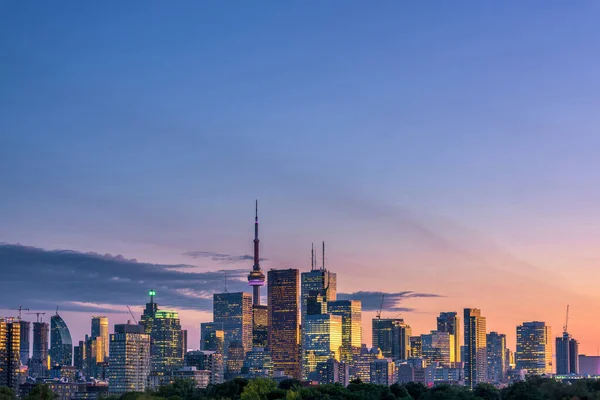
pixel 225 273
pixel 323 266
pixel 312 256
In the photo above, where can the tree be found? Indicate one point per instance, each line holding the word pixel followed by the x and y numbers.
pixel 258 389
pixel 41 392
pixel 7 393
pixel 399 391
pixel 486 391
pixel 415 389
pixel 288 384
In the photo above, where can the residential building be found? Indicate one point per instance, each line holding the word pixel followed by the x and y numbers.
pixel 475 349
pixel 100 329
pixel 438 347
pixel 450 322
pixel 392 337
pixel 258 363
pixel 496 357
pixel 416 347
pixel 25 342
pixel 130 360
pixel 567 355
pixel 234 311
pixel 534 348
pixel 200 377
pixel 383 372
pixel 208 361
pixel 322 339
pixel 10 352
pixel 38 364
pixel 351 313
pixel 61 345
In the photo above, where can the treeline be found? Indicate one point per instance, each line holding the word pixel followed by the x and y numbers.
pixel 534 388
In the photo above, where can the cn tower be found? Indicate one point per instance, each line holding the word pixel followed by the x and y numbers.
pixel 256 278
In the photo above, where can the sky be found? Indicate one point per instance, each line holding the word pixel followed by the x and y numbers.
pixel 445 151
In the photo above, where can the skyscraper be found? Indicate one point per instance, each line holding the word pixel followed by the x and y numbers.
pixel 212 337
pixel 25 343
pixel 438 347
pixel 320 282
pixel 61 345
pixel 567 355
pixel 38 365
pixel 129 359
pixel 350 311
pixel 450 322
pixel 260 325
pixel 321 340
pixel 234 311
pixel 100 329
pixel 534 348
pixel 256 278
pixel 416 347
pixel 283 294
pixel 475 347
pixel 392 337
pixel 10 352
pixel 496 357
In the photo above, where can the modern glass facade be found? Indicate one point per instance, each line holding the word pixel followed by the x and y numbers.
pixel 438 346
pixel 567 355
pixel 283 299
pixel 416 347
pixel 167 342
pixel 129 359
pixel 321 340
pixel 351 313
pixel 383 372
pixel 450 322
pixel 38 365
pixel 100 329
pixel 25 342
pixel 392 337
pixel 207 360
pixel 475 349
pixel 10 353
pixel 234 311
pixel 258 363
pixel 212 337
pixel 496 357
pixel 318 281
pixel 61 345
pixel 534 348
pixel 260 325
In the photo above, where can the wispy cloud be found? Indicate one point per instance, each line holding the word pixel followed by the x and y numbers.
pixel 372 301
pixel 220 257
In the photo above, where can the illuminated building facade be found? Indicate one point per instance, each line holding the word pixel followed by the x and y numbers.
pixel 321 340
pixel 129 359
pixel 392 337
pixel 383 372
pixel 567 355
pixel 25 342
pixel 496 357
pixel 212 337
pixel 38 364
pixel 351 313
pixel 416 347
pixel 235 359
pixel 318 281
pixel 475 349
pixel 438 347
pixel 209 361
pixel 283 302
pixel 167 342
pixel 100 329
pixel 260 325
pixel 61 345
pixel 234 311
pixel 10 352
pixel 258 363
pixel 534 348
pixel 450 322
pixel 361 363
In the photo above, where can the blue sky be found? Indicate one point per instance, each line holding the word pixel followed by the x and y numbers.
pixel 393 130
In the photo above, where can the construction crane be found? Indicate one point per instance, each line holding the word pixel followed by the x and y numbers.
pixel 565 326
pixel 38 315
pixel 378 315
pixel 132 316
pixel 20 309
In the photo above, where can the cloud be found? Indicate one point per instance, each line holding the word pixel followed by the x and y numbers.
pixel 220 257
pixel 371 301
pixel 43 279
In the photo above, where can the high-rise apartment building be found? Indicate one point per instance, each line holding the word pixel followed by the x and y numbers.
pixel 208 361
pixel 235 359
pixel 475 349
pixel 496 357
pixel 10 352
pixel 283 302
pixel 383 372
pixel 392 337
pixel 416 347
pixel 567 355
pixel 450 322
pixel 61 345
pixel 438 347
pixel 260 325
pixel 38 364
pixel 321 340
pixel 212 337
pixel 129 359
pixel 234 311
pixel 100 329
pixel 25 342
pixel 351 313
pixel 534 348
pixel 318 281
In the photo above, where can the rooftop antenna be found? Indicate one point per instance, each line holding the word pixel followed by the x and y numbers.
pixel 56 310
pixel 152 293
pixel 323 267
pixel 225 291
pixel 312 256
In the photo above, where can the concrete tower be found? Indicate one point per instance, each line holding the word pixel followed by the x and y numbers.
pixel 256 278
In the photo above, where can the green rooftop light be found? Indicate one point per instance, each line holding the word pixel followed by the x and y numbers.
pixel 152 293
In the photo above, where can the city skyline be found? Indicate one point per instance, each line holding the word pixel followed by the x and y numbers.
pixel 445 154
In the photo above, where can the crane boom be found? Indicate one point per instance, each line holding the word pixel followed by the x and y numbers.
pixel 378 315
pixel 566 325
pixel 132 316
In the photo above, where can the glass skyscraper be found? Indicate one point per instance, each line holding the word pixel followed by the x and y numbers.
pixel 567 355
pixel 321 340
pixel 351 313
pixel 234 311
pixel 317 281
pixel 392 337
pixel 38 364
pixel 260 325
pixel 10 352
pixel 100 329
pixel 438 346
pixel 25 342
pixel 212 337
pixel 450 322
pixel 61 345
pixel 496 357
pixel 283 299
pixel 129 359
pixel 475 349
pixel 534 348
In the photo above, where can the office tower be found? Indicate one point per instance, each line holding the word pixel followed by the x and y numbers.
pixel 283 288
pixel 475 354
pixel 333 371
pixel 38 365
pixel 61 346
pixel 184 343
pixel 166 342
pixel 258 363
pixel 319 282
pixel 10 352
pixel 350 311
pixel 260 325
pixel 534 348
pixel 496 357
pixel 416 347
pixel 25 343
pixel 212 337
pixel 567 355
pixel 321 340
pixel 100 329
pixel 361 363
pixel 93 360
pixel 383 372
pixel 209 361
pixel 235 359
pixel 234 311
pixel 129 351
pixel 392 337
pixel 79 356
pixel 256 278
pixel 438 347
pixel 450 322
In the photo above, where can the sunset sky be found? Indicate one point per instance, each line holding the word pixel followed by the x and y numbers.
pixel 447 149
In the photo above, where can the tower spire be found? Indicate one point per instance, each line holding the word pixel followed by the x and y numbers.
pixel 323 266
pixel 256 278
pixel 312 256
